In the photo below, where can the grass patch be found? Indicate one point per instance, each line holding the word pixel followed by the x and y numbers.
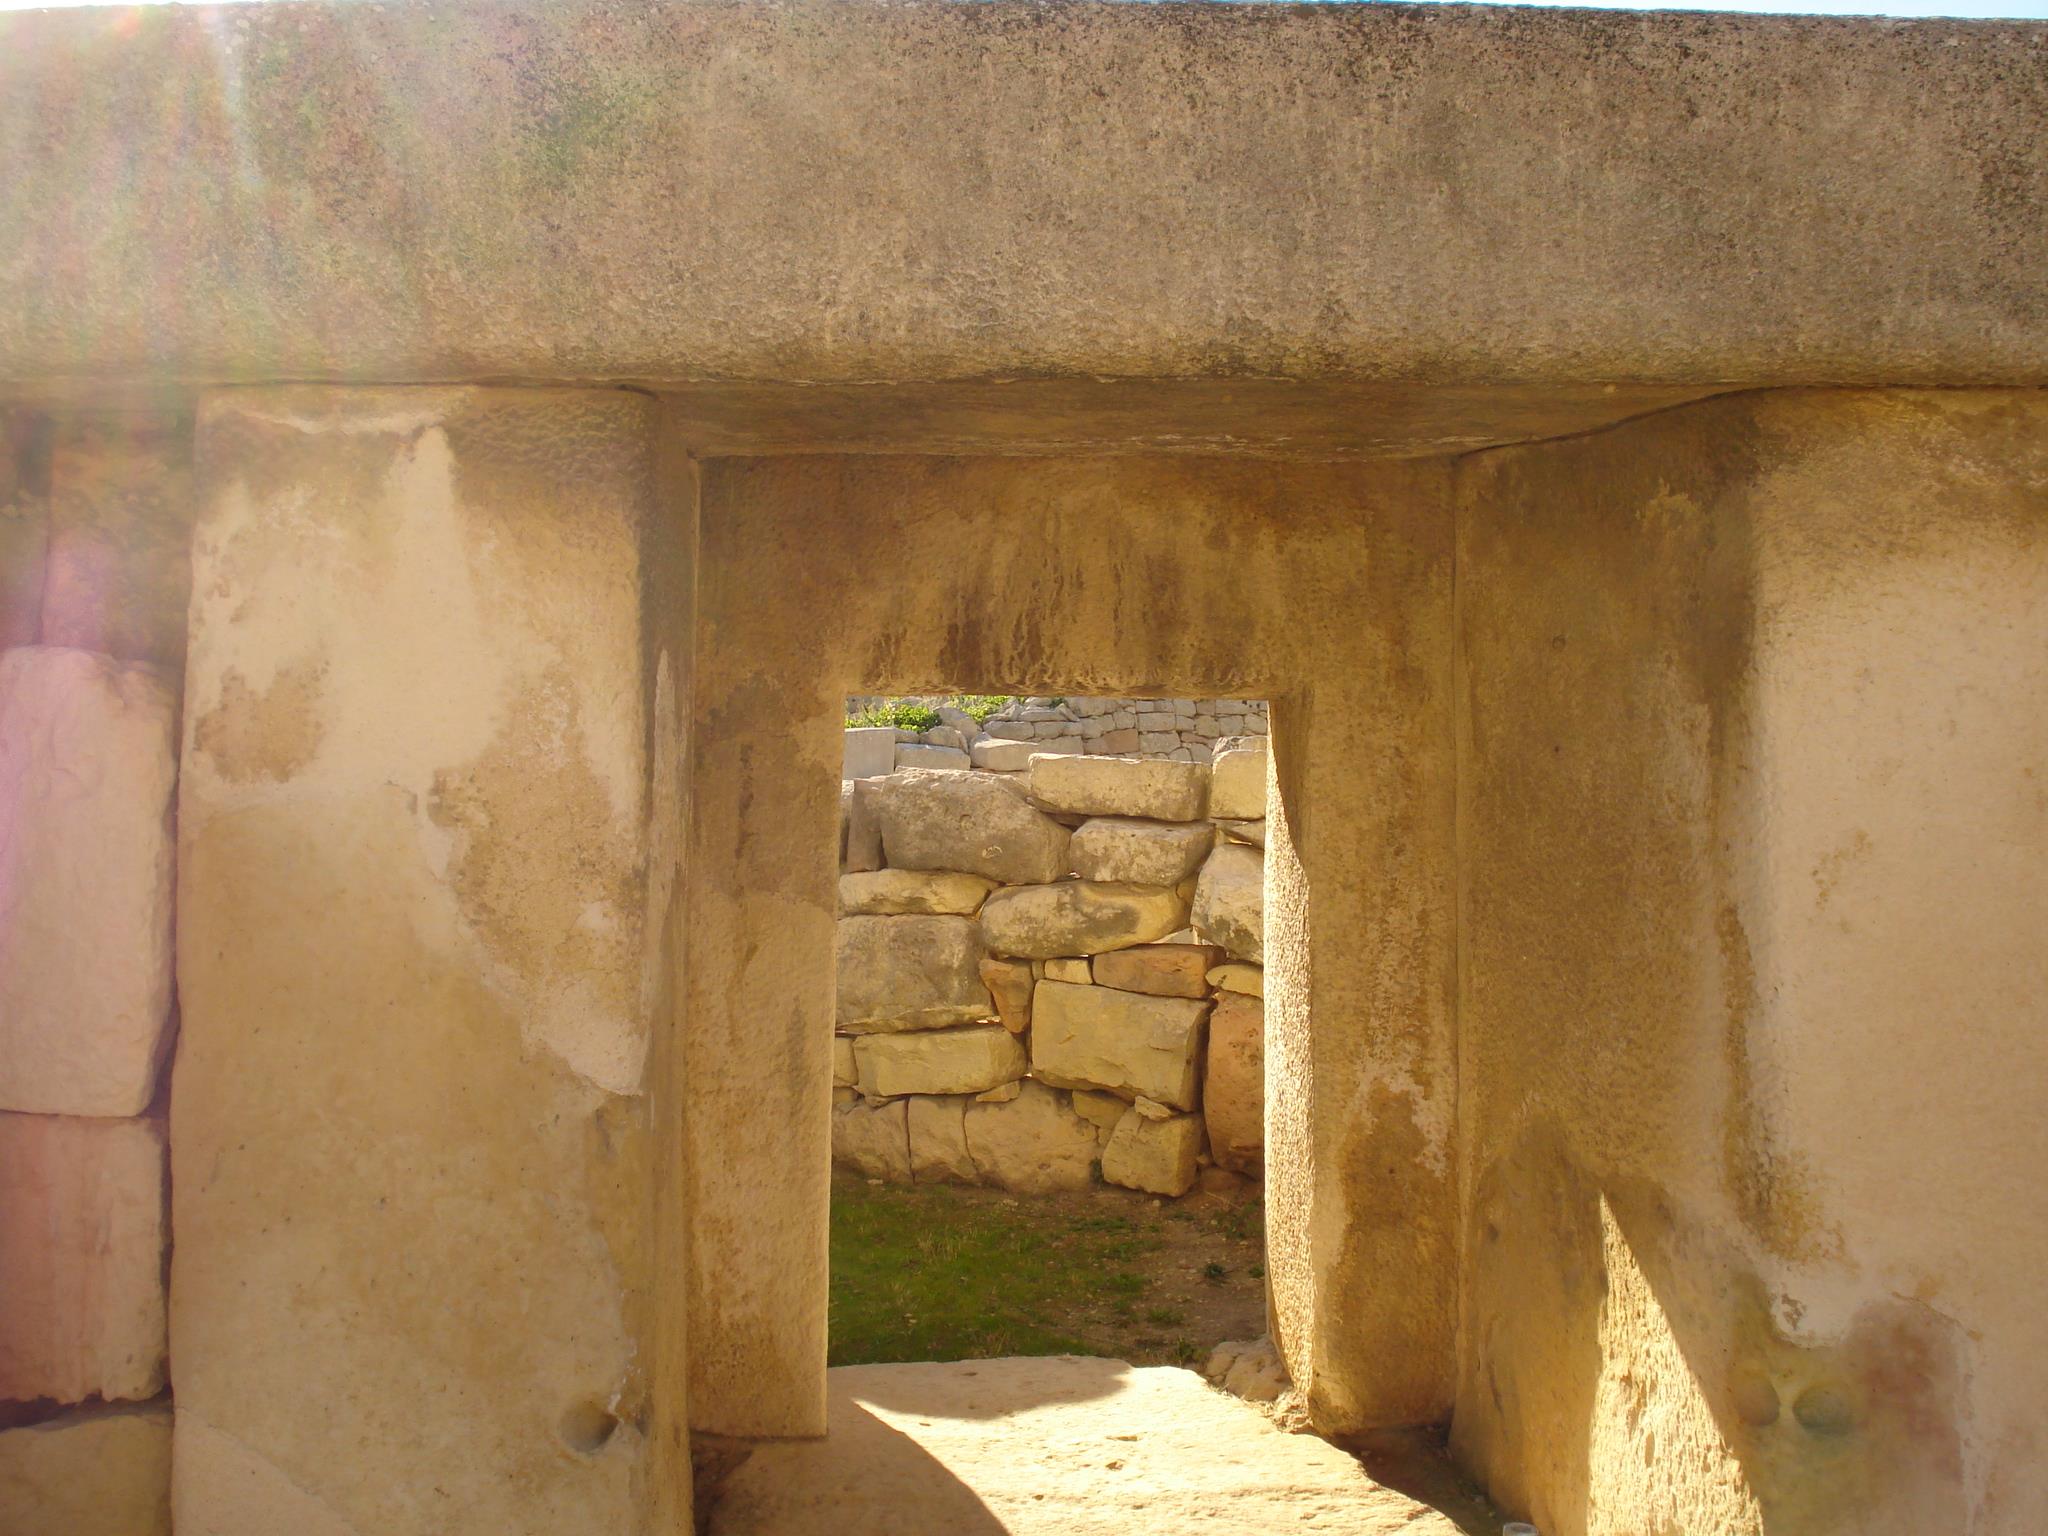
pixel 928 1274
pixel 917 715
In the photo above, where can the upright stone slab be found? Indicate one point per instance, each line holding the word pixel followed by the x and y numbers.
pixel 88 761
pixel 81 1258
pixel 908 973
pixel 1234 1083
pixel 425 861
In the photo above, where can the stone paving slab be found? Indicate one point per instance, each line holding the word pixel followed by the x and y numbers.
pixel 1061 1446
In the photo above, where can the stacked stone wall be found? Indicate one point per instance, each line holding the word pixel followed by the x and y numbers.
pixel 1053 975
pixel 92 616
pixel 1181 730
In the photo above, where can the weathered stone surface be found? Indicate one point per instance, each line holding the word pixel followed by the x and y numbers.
pixel 1009 982
pixel 1164 970
pixel 948 736
pixel 938 1061
pixel 1230 902
pixel 1237 784
pixel 1248 1368
pixel 1252 832
pixel 921 755
pixel 88 761
pixel 1123 848
pixel 1078 917
pixel 873 1139
pixel 1002 1093
pixel 1068 968
pixel 994 754
pixel 869 753
pixel 1121 786
pixel 932 819
pixel 1158 1156
pixel 908 973
pixel 1035 1144
pixel 844 1074
pixel 1097 1037
pixel 1238 976
pixel 861 829
pixel 100 1472
pixel 1234 1083
pixel 938 1140
pixel 120 563
pixel 912 892
pixel 1099 1109
pixel 81 1258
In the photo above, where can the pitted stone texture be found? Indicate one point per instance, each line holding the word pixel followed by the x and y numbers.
pixel 931 819
pixel 899 973
pixel 873 1139
pixel 1135 852
pixel 1164 970
pixel 1078 917
pixel 1230 902
pixel 1033 1144
pixel 99 1472
pixel 1009 983
pixel 1059 1446
pixel 1234 1083
pixel 1096 1037
pixel 1237 784
pixel 1159 1156
pixel 88 761
pixel 1121 786
pixel 938 1140
pixel 938 1061
pixel 81 1258
pixel 912 892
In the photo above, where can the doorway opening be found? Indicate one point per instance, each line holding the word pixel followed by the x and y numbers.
pixel 1048 1031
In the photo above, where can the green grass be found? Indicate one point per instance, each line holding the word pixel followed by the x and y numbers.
pixel 928 1273
pixel 910 715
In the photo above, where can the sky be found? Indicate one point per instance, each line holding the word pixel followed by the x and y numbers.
pixel 2033 10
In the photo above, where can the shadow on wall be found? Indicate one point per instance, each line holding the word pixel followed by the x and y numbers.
pixel 1599 1316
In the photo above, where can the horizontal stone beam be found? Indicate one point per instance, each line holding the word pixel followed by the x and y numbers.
pixel 684 192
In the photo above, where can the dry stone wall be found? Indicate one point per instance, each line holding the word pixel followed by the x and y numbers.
pixel 92 612
pixel 1052 973
pixel 1180 730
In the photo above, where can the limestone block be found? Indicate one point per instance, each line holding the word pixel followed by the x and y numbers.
pixel 100 1472
pixel 1065 744
pixel 1252 832
pixel 1078 971
pixel 1127 1042
pixel 1248 1368
pixel 1230 902
pixel 844 1074
pixel 862 834
pixel 1009 983
pixel 1164 970
pixel 1123 848
pixel 1158 742
pixel 1155 719
pixel 1078 917
pixel 1237 784
pixel 1158 1156
pixel 917 755
pixel 81 1258
pixel 1236 976
pixel 1097 1108
pixel 24 534
pixel 908 973
pixel 1121 786
pixel 873 1139
pixel 1012 730
pixel 1122 739
pixel 120 562
pixel 1034 1144
pixel 998 756
pixel 957 719
pixel 947 736
pixel 88 761
pixel 969 822
pixel 1234 1083
pixel 870 752
pixel 912 892
pixel 938 1061
pixel 1002 1093
pixel 938 1140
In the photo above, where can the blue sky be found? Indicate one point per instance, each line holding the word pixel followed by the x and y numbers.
pixel 2033 10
